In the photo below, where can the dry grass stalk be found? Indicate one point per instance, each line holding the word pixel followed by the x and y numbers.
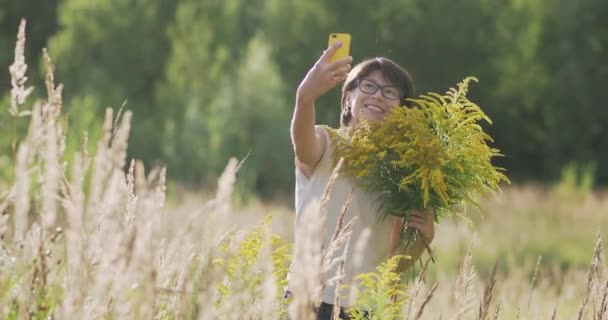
pixel 329 259
pixel 102 165
pixel 413 298
pixel 41 130
pixel 52 107
pixel 129 214
pixel 426 300
pixel 601 312
pixel 595 271
pixel 120 141
pixel 598 270
pixel 311 259
pixel 339 240
pixel 588 287
pixel 340 223
pixel 597 262
pixel 268 304
pixel 497 310
pixel 463 292
pixel 339 278
pixel 488 293
pixel 18 70
pixel 341 236
pixel 225 187
pixel 415 289
pixel 533 282
pixel 6 201
pixel 306 269
pixel 52 174
pixel 4 227
pixel 22 186
pixel 75 239
pixel 28 148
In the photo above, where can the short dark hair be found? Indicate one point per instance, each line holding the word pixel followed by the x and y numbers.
pixel 394 74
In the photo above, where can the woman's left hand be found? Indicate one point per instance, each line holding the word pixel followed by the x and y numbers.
pixel 423 221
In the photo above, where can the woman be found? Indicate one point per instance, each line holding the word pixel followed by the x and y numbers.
pixel 370 90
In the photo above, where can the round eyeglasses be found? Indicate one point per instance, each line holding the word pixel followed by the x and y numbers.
pixel 370 87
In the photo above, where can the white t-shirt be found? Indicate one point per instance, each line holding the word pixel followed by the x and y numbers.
pixel 363 205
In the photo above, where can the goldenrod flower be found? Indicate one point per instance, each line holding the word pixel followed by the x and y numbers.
pixel 433 154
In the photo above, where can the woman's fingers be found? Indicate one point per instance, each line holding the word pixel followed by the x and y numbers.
pixel 324 76
pixel 424 222
pixel 341 71
pixel 329 51
pixel 419 215
pixel 340 63
pixel 427 213
pixel 413 222
pixel 341 67
pixel 338 70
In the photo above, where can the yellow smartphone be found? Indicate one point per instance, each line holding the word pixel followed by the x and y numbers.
pixel 344 50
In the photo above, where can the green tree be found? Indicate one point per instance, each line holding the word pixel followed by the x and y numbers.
pixel 296 40
pixel 548 100
pixel 254 122
pixel 207 45
pixel 518 85
pixel 180 66
pixel 110 52
pixel 575 47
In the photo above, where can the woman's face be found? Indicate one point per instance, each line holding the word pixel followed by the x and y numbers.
pixel 372 106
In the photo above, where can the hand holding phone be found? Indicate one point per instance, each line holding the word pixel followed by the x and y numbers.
pixel 344 50
pixel 326 73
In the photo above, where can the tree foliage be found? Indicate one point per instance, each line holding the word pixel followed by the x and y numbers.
pixel 212 79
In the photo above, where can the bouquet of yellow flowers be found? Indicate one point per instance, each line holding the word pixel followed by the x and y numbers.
pixel 430 154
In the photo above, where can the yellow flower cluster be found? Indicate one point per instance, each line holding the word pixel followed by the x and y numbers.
pixel 433 153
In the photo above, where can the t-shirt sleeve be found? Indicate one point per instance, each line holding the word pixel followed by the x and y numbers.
pixel 306 185
pixel 300 176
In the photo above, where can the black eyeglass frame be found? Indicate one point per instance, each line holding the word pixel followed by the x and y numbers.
pixel 379 87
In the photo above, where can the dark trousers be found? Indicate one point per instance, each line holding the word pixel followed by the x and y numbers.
pixel 325 310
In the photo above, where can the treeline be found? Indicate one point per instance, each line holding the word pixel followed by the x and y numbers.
pixel 212 79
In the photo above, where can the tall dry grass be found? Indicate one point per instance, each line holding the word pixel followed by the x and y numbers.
pixel 98 242
pixel 94 239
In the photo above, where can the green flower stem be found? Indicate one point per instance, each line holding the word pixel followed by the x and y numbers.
pixel 409 237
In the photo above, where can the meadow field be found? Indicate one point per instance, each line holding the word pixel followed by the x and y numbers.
pixel 542 239
pixel 94 235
